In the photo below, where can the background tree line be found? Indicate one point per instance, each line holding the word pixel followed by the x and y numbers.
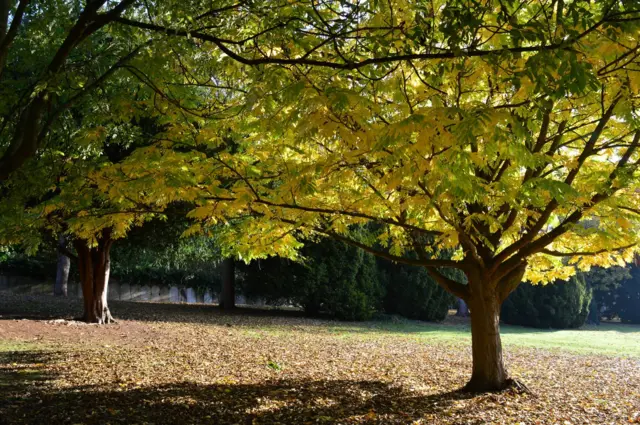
pixel 340 281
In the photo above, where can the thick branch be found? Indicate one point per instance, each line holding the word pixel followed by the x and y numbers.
pixel 434 262
pixel 336 212
pixel 553 204
pixel 453 287
pixel 510 282
pixel 7 39
pixel 27 134
pixel 89 88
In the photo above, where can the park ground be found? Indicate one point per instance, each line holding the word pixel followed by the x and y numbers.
pixel 164 363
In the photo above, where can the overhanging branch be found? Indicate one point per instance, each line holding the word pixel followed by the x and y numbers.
pixel 585 253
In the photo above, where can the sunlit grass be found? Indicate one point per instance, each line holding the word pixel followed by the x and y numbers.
pixel 606 339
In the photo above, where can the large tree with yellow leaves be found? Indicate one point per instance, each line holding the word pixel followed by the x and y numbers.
pixel 496 129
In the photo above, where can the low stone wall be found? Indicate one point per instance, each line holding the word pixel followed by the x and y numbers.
pixel 29 285
pixel 122 292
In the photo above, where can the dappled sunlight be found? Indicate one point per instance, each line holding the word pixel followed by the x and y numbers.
pixel 263 369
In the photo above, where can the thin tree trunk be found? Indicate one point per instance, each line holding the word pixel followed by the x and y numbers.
pixel 463 310
pixel 62 274
pixel 94 265
pixel 228 295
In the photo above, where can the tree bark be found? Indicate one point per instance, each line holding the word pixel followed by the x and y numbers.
pixel 489 372
pixel 484 299
pixel 62 274
pixel 463 310
pixel 228 295
pixel 94 265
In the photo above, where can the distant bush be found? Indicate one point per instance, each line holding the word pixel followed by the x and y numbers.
pixel 41 265
pixel 337 280
pixel 342 281
pixel 628 301
pixel 412 293
pixel 558 305
pixel 347 283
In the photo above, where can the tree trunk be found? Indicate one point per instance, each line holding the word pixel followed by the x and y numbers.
pixel 62 274
pixel 228 295
pixel 484 299
pixel 594 311
pixel 463 310
pixel 489 373
pixel 94 265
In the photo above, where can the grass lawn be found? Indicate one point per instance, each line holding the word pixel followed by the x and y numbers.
pixel 611 339
pixel 192 364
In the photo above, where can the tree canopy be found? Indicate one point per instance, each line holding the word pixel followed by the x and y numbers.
pixel 504 131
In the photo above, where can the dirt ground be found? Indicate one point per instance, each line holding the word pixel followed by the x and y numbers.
pixel 167 364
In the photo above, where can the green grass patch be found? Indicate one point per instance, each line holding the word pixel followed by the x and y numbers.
pixel 7 346
pixel 606 339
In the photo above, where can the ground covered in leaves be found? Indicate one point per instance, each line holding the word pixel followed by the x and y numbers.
pixel 191 364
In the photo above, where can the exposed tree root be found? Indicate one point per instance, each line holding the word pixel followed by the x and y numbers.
pixel 510 384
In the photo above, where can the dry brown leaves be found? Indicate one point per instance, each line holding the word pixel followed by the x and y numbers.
pixel 191 364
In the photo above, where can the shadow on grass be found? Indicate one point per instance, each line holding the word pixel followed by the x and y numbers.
pixel 27 399
pixel 38 307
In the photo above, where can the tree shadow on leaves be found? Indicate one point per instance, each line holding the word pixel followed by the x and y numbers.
pixel 29 401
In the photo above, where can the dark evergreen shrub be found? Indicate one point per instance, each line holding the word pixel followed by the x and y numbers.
pixel 336 280
pixel 628 300
pixel 412 293
pixel 558 305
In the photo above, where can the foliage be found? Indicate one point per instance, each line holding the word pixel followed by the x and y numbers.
pixel 497 128
pixel 335 279
pixel 273 280
pixel 54 55
pixel 42 265
pixel 343 281
pixel 562 305
pixel 412 293
pixel 628 301
pixel 470 144
pixel 190 262
pixel 604 284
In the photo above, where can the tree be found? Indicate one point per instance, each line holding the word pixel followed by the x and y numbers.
pixel 156 254
pixel 60 194
pixel 412 293
pixel 493 128
pixel 463 310
pixel 40 76
pixel 62 272
pixel 604 284
pixel 628 301
pixel 228 292
pixel 333 279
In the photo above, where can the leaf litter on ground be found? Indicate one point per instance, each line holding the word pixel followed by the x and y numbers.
pixel 166 363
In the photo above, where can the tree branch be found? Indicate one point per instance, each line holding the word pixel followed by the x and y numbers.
pixel 584 253
pixel 347 65
pixel 7 39
pixel 66 252
pixel 553 204
pixel 453 287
